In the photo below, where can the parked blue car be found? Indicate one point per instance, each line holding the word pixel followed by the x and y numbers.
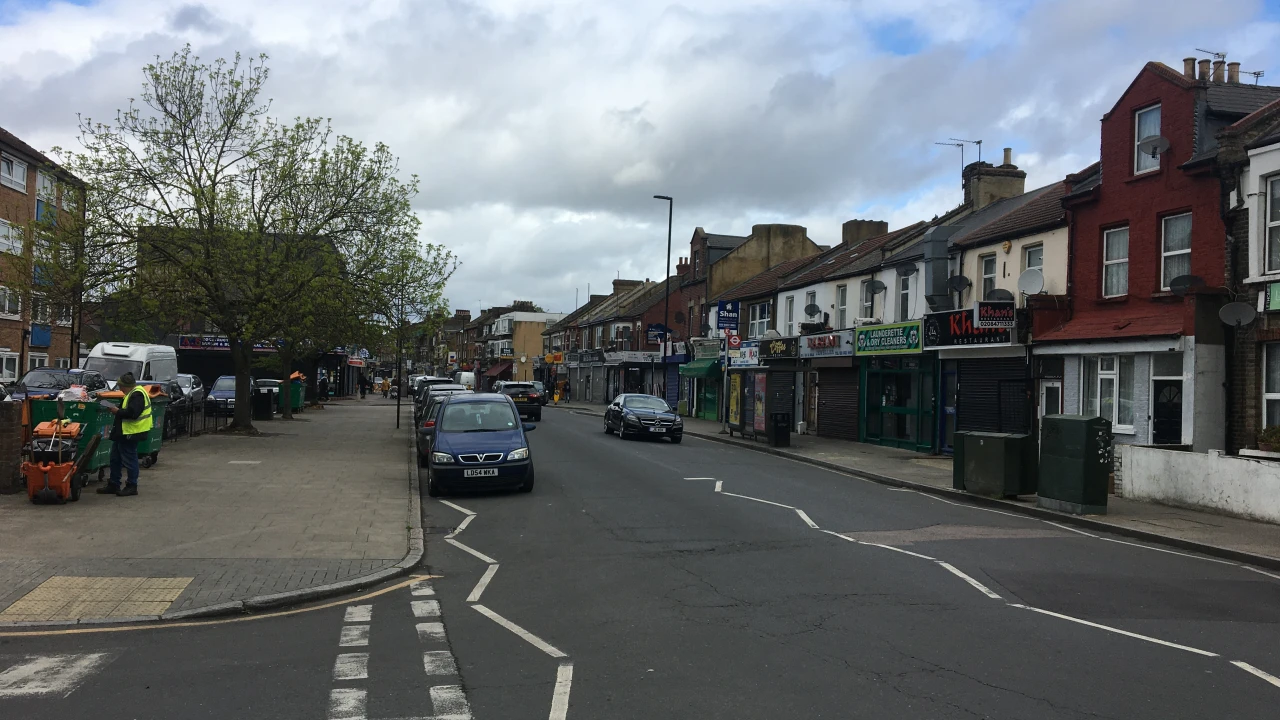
pixel 221 399
pixel 479 444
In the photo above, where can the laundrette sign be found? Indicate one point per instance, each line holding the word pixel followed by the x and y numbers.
pixel 893 339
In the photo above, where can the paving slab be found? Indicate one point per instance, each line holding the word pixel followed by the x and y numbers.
pixel 327 499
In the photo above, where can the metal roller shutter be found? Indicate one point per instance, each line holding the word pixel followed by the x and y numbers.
pixel 838 403
pixel 991 395
pixel 781 391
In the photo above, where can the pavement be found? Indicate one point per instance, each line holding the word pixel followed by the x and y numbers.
pixel 1199 530
pixel 220 520
pixel 644 580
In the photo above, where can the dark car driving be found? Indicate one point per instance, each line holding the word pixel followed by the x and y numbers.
pixel 479 444
pixel 526 397
pixel 643 416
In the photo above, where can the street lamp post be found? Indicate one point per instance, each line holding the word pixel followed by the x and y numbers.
pixel 666 312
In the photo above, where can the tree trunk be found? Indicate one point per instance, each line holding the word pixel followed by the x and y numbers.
pixel 286 387
pixel 241 356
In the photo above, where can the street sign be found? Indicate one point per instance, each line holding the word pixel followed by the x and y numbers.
pixel 733 340
pixel 727 315
pixel 655 332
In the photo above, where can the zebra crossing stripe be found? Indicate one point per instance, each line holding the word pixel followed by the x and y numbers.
pixel 431 632
pixel 422 588
pixel 426 608
pixel 358 614
pixel 354 636
pixel 351 666
pixel 346 704
pixel 439 662
pixel 449 703
pixel 41 675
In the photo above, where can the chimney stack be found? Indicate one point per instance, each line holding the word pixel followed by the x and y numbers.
pixel 1189 68
pixel 682 267
pixel 1204 71
pixel 1233 72
pixel 984 183
pixel 1008 157
pixel 856 232
pixel 1219 66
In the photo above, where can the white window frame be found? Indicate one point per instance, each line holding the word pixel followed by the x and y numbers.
pixel 63 362
pixel 1098 374
pixel 1268 225
pixel 790 316
pixel 64 316
pixel 5 295
pixel 37 360
pixel 868 300
pixel 1026 260
pixel 10 178
pixel 1164 281
pixel 982 271
pixel 811 298
pixel 842 307
pixel 46 187
pixel 1106 238
pixel 1267 396
pixel 41 312
pixel 1137 154
pixel 904 298
pixel 758 320
pixel 5 373
pixel 11 238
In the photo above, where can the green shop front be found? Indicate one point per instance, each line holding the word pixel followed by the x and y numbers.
pixel 898 386
pixel 700 381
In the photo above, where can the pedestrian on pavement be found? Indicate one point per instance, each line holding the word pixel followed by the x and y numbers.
pixel 363 382
pixel 567 393
pixel 323 388
pixel 132 423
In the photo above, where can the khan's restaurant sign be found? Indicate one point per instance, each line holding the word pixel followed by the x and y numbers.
pixel 834 344
pixel 893 339
pixel 955 328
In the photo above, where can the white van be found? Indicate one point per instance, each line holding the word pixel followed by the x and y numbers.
pixel 148 363
pixel 465 379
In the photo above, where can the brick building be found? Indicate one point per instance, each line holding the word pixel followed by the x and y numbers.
pixel 32 189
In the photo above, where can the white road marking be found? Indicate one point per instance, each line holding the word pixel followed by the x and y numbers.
pixel 1262 674
pixel 351 666
pixel 1068 527
pixel 1260 572
pixel 886 547
pixel 422 587
pixel 244 462
pixel 766 502
pixel 560 696
pixel 431 632
pixel 1171 552
pixel 699 478
pixel 346 704
pixel 358 613
pixel 50 674
pixel 449 703
pixel 425 608
pixel 462 525
pixel 439 662
pixel 459 508
pixel 806 519
pixel 354 636
pixel 484 583
pixel 983 588
pixel 719 485
pixel 477 553
pixel 1126 633
pixel 525 635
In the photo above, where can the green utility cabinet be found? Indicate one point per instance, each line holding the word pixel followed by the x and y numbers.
pixel 1075 464
pixel 995 464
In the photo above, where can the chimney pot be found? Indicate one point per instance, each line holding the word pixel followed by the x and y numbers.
pixel 1233 72
pixel 1189 68
pixel 1204 71
pixel 1008 156
pixel 1219 66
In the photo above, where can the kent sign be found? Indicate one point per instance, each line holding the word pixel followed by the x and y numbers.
pixel 893 339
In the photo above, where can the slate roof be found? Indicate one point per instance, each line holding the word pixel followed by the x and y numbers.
pixel 20 147
pixel 766 283
pixel 725 242
pixel 873 251
pixel 1041 213
pixel 1083 182
pixel 1108 327
pixel 1239 99
pixel 649 298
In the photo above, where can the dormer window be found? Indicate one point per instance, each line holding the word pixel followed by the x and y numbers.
pixel 1146 124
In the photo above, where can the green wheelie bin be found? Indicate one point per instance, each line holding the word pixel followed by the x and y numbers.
pixel 149 449
pixel 95 420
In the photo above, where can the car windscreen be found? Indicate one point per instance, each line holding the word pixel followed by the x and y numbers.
pixel 224 384
pixel 645 402
pixel 113 368
pixel 46 379
pixel 477 417
pixel 185 382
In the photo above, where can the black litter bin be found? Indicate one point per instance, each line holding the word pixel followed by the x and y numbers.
pixel 779 429
pixel 263 403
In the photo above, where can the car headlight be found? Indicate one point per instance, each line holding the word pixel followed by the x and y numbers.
pixel 632 419
pixel 678 420
pixel 519 454
pixel 442 458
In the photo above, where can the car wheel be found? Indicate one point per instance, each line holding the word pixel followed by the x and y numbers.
pixel 622 432
pixel 528 484
pixel 433 490
pixel 675 439
pixel 607 430
pixel 422 460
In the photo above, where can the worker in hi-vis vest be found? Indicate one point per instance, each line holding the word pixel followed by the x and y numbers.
pixel 133 422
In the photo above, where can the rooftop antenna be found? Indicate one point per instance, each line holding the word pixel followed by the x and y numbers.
pixel 1216 55
pixel 971 142
pixel 961 146
pixel 1257 75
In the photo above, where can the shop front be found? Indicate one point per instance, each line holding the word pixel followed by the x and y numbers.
pixel 784 384
pixel 669 383
pixel 898 389
pixel 830 357
pixel 588 376
pixel 985 381
pixel 700 381
pixel 633 372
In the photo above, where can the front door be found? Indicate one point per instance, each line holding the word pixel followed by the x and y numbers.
pixel 1166 412
pixel 1050 397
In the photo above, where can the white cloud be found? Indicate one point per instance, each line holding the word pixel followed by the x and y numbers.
pixel 541 128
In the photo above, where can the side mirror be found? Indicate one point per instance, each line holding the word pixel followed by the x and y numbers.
pixel 530 428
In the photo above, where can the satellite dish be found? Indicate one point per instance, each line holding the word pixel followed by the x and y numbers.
pixel 1153 145
pixel 1182 284
pixel 999 294
pixel 1031 282
pixel 1237 314
pixel 679 316
pixel 958 283
pixel 906 269
pixel 875 287
pixel 811 310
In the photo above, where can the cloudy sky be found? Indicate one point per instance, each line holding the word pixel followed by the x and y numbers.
pixel 541 129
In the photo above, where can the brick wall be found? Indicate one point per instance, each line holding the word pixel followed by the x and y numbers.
pixel 10 447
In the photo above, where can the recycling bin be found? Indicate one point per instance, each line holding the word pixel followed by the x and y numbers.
pixel 149 448
pixel 95 420
pixel 778 431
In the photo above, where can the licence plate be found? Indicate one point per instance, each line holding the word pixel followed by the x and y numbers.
pixel 657 429
pixel 481 472
pixel 520 399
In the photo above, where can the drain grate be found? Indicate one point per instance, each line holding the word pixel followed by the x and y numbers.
pixel 437 530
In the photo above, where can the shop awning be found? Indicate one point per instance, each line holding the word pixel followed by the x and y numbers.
pixel 498 369
pixel 704 368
